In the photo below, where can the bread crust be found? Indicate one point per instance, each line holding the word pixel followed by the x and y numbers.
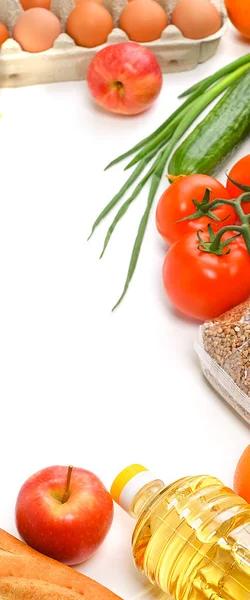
pixel 28 575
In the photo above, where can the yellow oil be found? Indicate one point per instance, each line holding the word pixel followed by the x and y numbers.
pixel 192 539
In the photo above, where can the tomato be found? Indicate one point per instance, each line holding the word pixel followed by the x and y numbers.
pixel 239 14
pixel 203 285
pixel 177 203
pixel 240 173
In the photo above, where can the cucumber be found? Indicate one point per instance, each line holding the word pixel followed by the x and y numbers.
pixel 210 143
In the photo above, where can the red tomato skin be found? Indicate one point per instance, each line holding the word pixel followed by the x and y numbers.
pixel 240 173
pixel 202 285
pixel 177 202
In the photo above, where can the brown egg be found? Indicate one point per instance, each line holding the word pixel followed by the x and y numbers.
pixel 3 34
pixel 26 4
pixel 196 19
pixel 89 24
pixel 80 1
pixel 143 20
pixel 37 29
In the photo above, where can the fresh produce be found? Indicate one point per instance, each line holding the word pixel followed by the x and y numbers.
pixel 143 20
pixel 240 173
pixel 4 35
pixel 37 29
pixel 217 135
pixel 187 196
pixel 124 78
pixel 238 12
pixel 26 4
pixel 196 19
pixel 203 285
pixel 242 476
pixel 27 575
pixel 206 274
pixel 89 24
pixel 64 513
pixel 155 150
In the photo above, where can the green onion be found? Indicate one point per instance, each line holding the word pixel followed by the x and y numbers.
pixel 119 194
pixel 125 187
pixel 208 81
pixel 156 178
pixel 163 136
pixel 126 205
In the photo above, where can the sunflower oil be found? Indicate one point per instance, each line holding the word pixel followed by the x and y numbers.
pixel 192 538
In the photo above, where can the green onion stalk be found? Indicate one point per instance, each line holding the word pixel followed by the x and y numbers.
pixel 155 150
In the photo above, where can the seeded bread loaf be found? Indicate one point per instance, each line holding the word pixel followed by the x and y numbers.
pixel 27 575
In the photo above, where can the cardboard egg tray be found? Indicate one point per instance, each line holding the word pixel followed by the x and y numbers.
pixel 68 62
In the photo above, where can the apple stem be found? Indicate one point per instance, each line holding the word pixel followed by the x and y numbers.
pixel 66 494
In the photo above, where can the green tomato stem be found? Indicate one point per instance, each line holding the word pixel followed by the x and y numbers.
pixel 236 205
pixel 215 245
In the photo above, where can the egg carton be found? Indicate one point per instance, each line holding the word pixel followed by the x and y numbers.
pixel 68 62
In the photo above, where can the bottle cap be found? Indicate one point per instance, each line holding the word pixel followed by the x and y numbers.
pixel 128 483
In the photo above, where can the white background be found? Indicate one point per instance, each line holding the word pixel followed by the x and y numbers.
pixel 78 384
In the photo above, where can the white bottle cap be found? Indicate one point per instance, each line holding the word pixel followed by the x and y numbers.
pixel 128 483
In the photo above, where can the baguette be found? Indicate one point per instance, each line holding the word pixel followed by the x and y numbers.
pixel 28 575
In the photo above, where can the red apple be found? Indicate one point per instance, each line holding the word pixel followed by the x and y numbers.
pixel 124 78
pixel 64 513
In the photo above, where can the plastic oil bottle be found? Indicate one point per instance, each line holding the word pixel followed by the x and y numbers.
pixel 192 538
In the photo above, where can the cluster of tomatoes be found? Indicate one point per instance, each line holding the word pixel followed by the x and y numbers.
pixel 201 284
